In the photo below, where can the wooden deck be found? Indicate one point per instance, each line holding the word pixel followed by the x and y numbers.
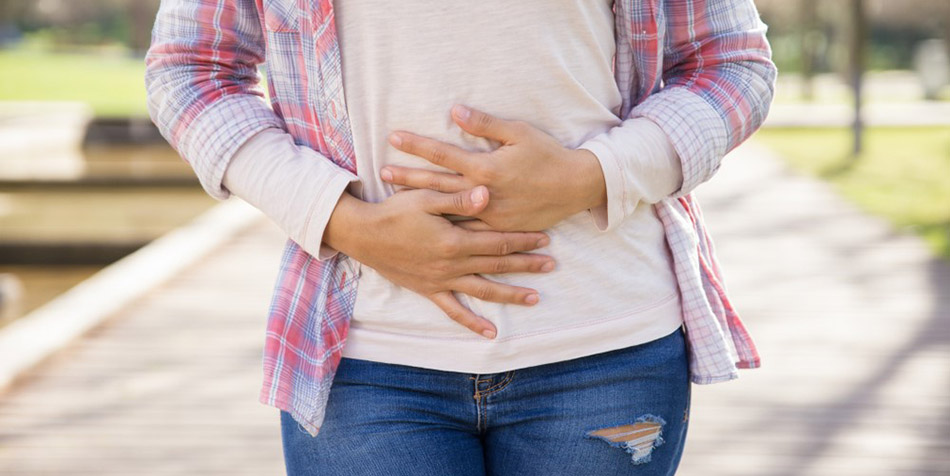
pixel 147 394
pixel 851 318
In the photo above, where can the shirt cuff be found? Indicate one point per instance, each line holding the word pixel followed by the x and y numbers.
pixel 296 187
pixel 320 216
pixel 639 164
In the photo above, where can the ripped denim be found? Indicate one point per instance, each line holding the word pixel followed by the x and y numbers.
pixel 620 412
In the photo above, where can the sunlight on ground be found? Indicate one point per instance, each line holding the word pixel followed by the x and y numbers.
pixel 904 173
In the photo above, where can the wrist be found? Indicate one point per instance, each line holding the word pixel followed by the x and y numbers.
pixel 349 216
pixel 590 186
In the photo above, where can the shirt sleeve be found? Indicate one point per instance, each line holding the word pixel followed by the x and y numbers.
pixel 202 82
pixel 639 164
pixel 718 82
pixel 294 186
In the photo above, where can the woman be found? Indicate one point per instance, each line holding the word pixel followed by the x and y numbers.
pixel 508 186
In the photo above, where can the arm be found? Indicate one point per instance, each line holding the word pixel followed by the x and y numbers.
pixel 719 82
pixel 204 95
pixel 277 177
pixel 718 85
pixel 203 85
pixel 537 181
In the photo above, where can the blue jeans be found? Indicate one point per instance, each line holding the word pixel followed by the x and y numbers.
pixel 618 412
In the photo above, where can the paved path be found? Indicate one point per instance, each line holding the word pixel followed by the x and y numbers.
pixel 853 323
pixel 932 114
pixel 852 319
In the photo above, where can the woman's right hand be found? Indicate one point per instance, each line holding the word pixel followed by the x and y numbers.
pixel 408 241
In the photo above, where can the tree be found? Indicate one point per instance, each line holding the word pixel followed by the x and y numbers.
pixel 810 39
pixel 858 60
pixel 141 17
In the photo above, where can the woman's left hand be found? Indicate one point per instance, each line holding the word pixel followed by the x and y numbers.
pixel 532 180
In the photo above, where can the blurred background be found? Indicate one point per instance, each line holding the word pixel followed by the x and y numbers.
pixel 833 225
pixel 84 178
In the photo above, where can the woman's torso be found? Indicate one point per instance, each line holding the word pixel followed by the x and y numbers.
pixel 545 62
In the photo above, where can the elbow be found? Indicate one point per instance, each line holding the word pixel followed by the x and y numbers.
pixel 758 97
pixel 164 88
pixel 157 78
pixel 154 92
pixel 769 76
pixel 761 73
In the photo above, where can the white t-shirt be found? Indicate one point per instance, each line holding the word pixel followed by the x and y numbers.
pixel 545 62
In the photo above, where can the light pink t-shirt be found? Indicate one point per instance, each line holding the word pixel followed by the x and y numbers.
pixel 546 62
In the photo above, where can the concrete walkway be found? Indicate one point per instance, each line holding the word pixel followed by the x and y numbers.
pixel 853 323
pixel 852 320
pixel 911 114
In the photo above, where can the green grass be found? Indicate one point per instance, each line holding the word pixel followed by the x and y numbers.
pixel 113 85
pixel 903 174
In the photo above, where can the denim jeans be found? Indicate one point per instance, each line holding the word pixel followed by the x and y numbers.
pixel 618 412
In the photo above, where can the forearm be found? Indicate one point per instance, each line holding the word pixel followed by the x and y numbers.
pixel 294 186
pixel 584 183
pixel 343 232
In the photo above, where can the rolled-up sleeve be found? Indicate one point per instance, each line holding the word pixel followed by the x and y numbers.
pixel 277 177
pixel 203 84
pixel 718 82
pixel 639 165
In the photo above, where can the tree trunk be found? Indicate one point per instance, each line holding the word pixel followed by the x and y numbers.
pixel 141 15
pixel 859 35
pixel 810 32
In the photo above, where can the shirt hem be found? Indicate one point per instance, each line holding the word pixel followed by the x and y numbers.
pixel 481 355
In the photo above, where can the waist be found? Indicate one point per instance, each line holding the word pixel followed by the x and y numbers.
pixel 619 273
pixel 587 334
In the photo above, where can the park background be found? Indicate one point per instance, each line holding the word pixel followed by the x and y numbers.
pixel 834 236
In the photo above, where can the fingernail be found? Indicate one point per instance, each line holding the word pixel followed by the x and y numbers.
pixel 386 174
pixel 488 333
pixel 532 299
pixel 462 112
pixel 543 242
pixel 394 139
pixel 478 196
pixel 548 267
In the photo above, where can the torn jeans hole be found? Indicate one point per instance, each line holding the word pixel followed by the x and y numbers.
pixel 638 438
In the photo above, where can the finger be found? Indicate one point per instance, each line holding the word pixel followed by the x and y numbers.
pixel 466 203
pixel 485 125
pixel 435 151
pixel 451 306
pixel 419 178
pixel 486 290
pixel 499 243
pixel 474 225
pixel 513 263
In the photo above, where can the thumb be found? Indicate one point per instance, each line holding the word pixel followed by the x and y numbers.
pixel 465 203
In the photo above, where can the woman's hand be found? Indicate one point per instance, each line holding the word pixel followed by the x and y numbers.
pixel 534 182
pixel 408 242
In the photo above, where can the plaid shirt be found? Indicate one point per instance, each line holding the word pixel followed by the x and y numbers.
pixel 700 69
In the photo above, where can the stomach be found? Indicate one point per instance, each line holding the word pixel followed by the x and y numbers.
pixel 598 275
